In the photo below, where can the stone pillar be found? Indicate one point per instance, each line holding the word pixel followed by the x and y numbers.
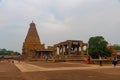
pixel 59 50
pixel 78 50
pixel 65 49
pixel 69 48
pixel 82 53
pixel 62 49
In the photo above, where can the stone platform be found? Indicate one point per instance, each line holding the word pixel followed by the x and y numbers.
pixel 32 67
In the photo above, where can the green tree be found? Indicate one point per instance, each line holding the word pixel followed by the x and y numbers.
pixel 116 47
pixel 3 51
pixel 98 47
pixel 8 52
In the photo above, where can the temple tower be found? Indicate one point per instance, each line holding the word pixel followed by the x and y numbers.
pixel 32 42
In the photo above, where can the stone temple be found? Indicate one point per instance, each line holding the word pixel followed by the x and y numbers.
pixel 32 42
pixel 32 47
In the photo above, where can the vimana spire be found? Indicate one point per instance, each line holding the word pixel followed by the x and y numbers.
pixel 32 42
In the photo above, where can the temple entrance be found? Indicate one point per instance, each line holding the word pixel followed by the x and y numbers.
pixel 43 53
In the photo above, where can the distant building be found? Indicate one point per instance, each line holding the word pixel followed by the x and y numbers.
pixel 114 52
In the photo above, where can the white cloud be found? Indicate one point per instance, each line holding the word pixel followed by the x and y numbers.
pixel 53 25
pixel 73 4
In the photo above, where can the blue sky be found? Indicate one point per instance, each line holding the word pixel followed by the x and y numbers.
pixel 58 20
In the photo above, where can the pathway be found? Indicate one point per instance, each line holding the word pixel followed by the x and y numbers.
pixel 25 67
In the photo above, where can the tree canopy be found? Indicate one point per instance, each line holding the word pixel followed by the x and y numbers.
pixel 8 52
pixel 116 47
pixel 98 47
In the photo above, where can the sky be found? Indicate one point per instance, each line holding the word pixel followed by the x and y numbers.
pixel 58 20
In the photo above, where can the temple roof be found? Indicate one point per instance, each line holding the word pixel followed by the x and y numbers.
pixel 32 35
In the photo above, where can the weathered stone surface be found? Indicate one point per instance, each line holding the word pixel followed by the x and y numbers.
pixel 32 42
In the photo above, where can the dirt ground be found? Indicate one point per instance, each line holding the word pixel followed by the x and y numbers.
pixel 92 74
pixel 11 72
pixel 71 75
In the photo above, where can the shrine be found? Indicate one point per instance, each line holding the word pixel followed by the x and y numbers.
pixel 32 46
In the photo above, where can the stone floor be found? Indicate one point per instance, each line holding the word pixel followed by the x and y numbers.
pixel 42 66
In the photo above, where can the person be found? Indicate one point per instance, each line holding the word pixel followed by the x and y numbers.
pixel 100 59
pixel 8 61
pixel 12 60
pixel 85 60
pixel 46 59
pixel 114 61
pixel 88 59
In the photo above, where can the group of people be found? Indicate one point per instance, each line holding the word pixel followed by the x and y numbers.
pixel 114 61
pixel 10 60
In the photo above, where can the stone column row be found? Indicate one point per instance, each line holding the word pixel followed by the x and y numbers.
pixel 63 48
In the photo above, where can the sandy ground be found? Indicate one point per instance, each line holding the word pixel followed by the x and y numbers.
pixel 12 72
pixel 71 75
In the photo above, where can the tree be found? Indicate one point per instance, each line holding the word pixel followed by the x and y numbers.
pixel 98 47
pixel 116 47
pixel 8 52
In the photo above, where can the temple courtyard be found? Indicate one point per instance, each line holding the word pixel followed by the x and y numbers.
pixel 57 71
